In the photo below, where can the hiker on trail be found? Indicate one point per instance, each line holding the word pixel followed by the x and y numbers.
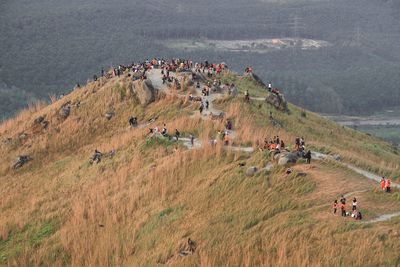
pixel 387 185
pixel 133 122
pixel 207 104
pixel 354 204
pixel 308 157
pixel 383 184
pixel 201 108
pixel 247 96
pixel 177 134
pixel 192 139
pixel 334 206
pixel 282 145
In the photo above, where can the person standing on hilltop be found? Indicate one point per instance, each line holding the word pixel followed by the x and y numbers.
pixel 269 86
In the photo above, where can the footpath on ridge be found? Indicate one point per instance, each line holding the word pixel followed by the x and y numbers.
pixel 155 76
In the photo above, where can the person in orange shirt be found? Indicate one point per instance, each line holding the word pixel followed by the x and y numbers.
pixel 226 139
pixel 387 185
pixel 383 183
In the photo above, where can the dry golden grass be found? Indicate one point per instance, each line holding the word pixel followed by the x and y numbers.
pixel 139 207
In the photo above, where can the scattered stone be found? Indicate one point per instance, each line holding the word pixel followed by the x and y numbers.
pixel 219 116
pixel 65 110
pixel 337 157
pixel 39 120
pixel 109 115
pixel 23 136
pixel 301 174
pixel 251 171
pixel 269 166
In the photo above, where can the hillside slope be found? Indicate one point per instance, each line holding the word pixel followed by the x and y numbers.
pixel 141 203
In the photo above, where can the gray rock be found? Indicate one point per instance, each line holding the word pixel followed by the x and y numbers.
pixel 337 157
pixel 277 100
pixel 65 111
pixel 144 91
pixel 269 166
pixel 287 158
pixel 251 171
pixel 109 115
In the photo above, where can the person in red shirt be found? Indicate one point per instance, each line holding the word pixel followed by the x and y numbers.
pixel 383 183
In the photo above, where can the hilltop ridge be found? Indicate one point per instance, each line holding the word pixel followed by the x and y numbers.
pixel 189 150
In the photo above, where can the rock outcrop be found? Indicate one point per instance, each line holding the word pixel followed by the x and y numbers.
pixel 277 100
pixel 284 158
pixel 144 91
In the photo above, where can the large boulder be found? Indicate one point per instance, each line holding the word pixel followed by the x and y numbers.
pixel 277 100
pixel 251 171
pixel 145 92
pixel 287 158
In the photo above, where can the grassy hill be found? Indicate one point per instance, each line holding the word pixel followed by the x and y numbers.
pixel 139 207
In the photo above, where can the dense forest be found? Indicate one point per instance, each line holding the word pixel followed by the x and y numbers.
pixel 46 47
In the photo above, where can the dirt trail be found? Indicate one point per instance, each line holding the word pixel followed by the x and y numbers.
pixel 156 79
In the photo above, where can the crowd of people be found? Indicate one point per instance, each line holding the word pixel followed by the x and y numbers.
pixel 355 213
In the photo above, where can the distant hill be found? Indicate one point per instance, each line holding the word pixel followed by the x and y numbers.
pixel 148 194
pixel 46 48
